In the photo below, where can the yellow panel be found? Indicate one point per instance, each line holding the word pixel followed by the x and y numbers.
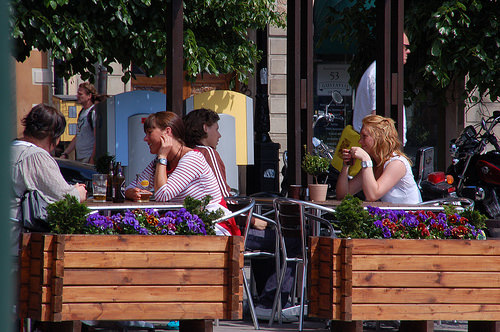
pixel 63 107
pixel 232 103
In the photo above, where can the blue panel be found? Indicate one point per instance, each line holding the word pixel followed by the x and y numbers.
pixel 130 103
pixel 71 111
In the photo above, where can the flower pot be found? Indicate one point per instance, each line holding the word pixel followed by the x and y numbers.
pixel 317 192
pixel 130 277
pixel 402 279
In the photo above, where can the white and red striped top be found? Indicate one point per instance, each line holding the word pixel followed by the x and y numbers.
pixel 192 177
pixel 215 162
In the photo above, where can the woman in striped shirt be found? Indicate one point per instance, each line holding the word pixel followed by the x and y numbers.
pixel 178 171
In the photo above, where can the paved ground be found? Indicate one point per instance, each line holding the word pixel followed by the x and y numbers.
pixel 317 326
pixel 309 325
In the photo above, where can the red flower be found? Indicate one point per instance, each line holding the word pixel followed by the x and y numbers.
pixel 425 232
pixel 452 218
pixel 431 214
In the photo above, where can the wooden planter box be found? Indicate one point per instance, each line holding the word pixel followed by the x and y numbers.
pixel 130 277
pixel 368 279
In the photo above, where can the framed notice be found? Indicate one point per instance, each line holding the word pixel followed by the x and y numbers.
pixel 331 77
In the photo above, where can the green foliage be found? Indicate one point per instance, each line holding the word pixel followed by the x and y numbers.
pixel 67 216
pixel 315 165
pixel 353 218
pixel 475 218
pixel 88 32
pixel 449 40
pixel 199 208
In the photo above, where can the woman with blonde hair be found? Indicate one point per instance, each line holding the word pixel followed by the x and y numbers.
pixel 386 173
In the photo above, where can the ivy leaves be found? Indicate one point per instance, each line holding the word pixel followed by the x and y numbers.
pixel 84 33
pixel 450 40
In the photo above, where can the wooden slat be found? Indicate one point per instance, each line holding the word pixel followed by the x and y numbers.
pixel 426 263
pixel 313 273
pixel 233 296
pixel 144 260
pixel 143 277
pixel 426 312
pixel 146 243
pixel 157 293
pixel 426 295
pixel 426 279
pixel 56 298
pixel 347 281
pixel 143 311
pixel 427 247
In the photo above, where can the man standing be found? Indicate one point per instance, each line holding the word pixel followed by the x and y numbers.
pixel 84 141
pixel 366 97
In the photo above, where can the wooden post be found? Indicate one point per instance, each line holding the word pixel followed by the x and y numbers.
pixel 196 325
pixel 354 326
pixel 390 14
pixel 416 326
pixel 480 326
pixel 175 60
pixel 299 84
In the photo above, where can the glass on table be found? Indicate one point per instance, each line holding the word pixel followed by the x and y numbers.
pixel 143 185
pixel 99 186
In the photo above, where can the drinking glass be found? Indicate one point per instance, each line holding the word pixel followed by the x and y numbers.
pixel 143 185
pixel 99 183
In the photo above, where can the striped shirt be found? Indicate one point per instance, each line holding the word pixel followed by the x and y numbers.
pixel 215 162
pixel 192 177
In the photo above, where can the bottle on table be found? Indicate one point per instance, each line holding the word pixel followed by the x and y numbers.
pixel 110 193
pixel 119 184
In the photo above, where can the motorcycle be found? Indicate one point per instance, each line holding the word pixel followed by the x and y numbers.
pixel 477 174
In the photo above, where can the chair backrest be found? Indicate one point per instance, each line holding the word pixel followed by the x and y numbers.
pixel 242 208
pixel 425 163
pixel 289 216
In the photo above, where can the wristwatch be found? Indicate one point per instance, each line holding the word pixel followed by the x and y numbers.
pixel 162 161
pixel 365 164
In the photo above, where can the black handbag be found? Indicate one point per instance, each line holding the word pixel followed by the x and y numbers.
pixel 34 212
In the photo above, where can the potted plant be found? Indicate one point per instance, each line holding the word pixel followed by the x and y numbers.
pixel 404 265
pixel 134 265
pixel 315 166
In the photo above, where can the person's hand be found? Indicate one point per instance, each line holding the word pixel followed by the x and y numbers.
pixel 358 153
pixel 166 145
pixel 347 157
pixel 259 224
pixel 134 194
pixel 82 191
pixel 64 156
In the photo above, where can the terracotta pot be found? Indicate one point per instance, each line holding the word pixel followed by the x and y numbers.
pixel 317 192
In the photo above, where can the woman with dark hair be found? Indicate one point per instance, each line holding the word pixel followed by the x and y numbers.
pixel 202 134
pixel 178 171
pixel 32 166
pixel 386 173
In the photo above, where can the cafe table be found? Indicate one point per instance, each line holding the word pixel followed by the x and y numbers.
pixel 127 204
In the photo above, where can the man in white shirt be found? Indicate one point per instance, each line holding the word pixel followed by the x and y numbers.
pixel 366 93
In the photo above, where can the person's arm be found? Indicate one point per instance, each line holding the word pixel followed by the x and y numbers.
pixel 190 167
pixel 69 149
pixel 133 192
pixel 344 185
pixel 373 188
pixel 44 175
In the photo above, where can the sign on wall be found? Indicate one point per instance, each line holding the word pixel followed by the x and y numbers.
pixel 332 77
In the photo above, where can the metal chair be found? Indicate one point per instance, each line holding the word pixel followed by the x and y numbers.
pixel 242 208
pixel 297 219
